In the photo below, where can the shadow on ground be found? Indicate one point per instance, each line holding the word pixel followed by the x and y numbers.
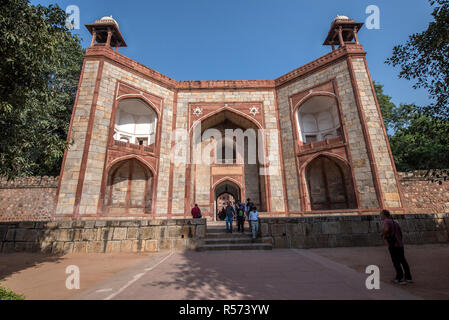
pixel 11 263
pixel 235 275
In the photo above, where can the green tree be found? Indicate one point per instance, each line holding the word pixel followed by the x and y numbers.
pixel 386 107
pixel 40 63
pixel 417 140
pixel 424 59
pixel 420 141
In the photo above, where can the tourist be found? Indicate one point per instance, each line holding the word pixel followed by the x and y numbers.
pixel 240 218
pixel 249 205
pixel 236 208
pixel 196 212
pixel 393 235
pixel 243 204
pixel 254 222
pixel 229 217
pixel 222 214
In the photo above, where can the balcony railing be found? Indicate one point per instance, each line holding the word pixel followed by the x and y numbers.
pixel 122 144
pixel 321 144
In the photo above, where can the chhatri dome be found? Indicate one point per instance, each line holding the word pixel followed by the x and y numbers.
pixel 108 19
pixel 340 17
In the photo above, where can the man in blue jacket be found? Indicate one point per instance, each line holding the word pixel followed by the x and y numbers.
pixel 229 217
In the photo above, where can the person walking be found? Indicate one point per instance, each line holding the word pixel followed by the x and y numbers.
pixel 196 212
pixel 254 220
pixel 230 212
pixel 240 219
pixel 392 234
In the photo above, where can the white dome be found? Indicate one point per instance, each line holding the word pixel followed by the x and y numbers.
pixel 339 17
pixel 109 19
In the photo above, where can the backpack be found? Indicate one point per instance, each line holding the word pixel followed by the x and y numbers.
pixel 240 213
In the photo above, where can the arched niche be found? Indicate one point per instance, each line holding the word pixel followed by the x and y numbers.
pixel 329 184
pixel 129 188
pixel 318 119
pixel 135 122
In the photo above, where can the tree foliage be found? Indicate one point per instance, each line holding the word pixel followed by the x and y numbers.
pixel 40 63
pixel 417 140
pixel 420 141
pixel 425 59
pixel 386 106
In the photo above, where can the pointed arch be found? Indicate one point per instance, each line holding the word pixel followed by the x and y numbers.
pixel 130 186
pixel 317 117
pixel 328 181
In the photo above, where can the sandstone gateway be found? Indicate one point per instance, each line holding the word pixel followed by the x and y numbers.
pixel 324 147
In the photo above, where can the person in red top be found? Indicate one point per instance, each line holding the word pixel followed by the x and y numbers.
pixel 393 235
pixel 196 212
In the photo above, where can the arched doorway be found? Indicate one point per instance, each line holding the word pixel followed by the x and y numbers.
pixel 329 184
pixel 129 188
pixel 229 190
pixel 236 151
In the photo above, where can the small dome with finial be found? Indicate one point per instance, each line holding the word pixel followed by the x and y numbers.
pixel 108 20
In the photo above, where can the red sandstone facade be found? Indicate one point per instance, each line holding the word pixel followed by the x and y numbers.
pixel 324 143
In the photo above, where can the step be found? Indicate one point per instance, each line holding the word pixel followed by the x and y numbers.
pixel 217 235
pixel 244 246
pixel 229 240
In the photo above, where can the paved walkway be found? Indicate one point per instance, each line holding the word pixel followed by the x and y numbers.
pixel 278 274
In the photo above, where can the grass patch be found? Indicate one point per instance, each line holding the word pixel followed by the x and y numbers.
pixel 6 294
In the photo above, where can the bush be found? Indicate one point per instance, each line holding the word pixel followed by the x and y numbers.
pixel 6 294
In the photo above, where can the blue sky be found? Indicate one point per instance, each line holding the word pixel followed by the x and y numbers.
pixel 253 39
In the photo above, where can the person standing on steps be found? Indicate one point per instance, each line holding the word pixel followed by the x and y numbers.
pixel 240 218
pixel 243 204
pixel 230 212
pixel 254 220
pixel 392 234
pixel 249 205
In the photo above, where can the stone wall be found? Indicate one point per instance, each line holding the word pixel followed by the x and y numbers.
pixel 377 136
pixel 27 199
pixel 425 192
pixel 351 231
pixel 101 236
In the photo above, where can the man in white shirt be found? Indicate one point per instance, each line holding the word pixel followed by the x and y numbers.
pixel 254 219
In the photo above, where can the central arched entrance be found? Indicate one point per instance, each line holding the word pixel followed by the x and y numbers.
pixel 232 142
pixel 226 192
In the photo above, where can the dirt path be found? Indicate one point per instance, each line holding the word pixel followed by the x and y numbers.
pixel 39 276
pixel 429 265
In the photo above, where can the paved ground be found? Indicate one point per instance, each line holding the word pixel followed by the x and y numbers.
pixel 40 276
pixel 278 274
pixel 429 265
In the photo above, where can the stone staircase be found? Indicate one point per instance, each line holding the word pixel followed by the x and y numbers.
pixel 218 239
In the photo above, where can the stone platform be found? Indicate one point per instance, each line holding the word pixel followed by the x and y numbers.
pixel 103 236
